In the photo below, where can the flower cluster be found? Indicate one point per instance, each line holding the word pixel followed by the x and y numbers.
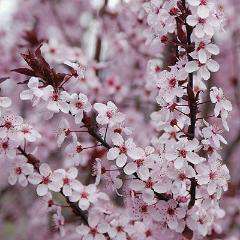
pixel 167 173
pixel 189 143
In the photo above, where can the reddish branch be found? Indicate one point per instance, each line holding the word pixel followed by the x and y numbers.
pixel 38 67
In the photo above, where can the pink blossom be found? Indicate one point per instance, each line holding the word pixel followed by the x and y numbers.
pixel 19 172
pixel 46 180
pixel 108 114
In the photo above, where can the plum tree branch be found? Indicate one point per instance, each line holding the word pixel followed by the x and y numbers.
pixel 35 162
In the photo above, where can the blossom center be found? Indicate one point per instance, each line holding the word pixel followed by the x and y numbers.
pixel 8 125
pixel 182 176
pixel 173 11
pixel 210 150
pixel 45 180
pixel 200 220
pixel 219 98
pixel 148 233
pixel 183 153
pixel 119 229
pixel 118 87
pixel 157 69
pixel 66 181
pixel 25 131
pixel 139 162
pixel 202 21
pixel 79 149
pixel 50 203
pixel 110 82
pixel 164 39
pixel 93 231
pixel 170 211
pixel 173 135
pixel 67 131
pixel 84 195
pixel 212 175
pixel 123 149
pixel 5 145
pixel 109 114
pixel 118 130
pixel 149 183
pixel 144 208
pixel 201 46
pixel 52 50
pixel 173 122
pixel 79 104
pixel 203 2
pixel 172 82
pixel 55 97
pixel 18 170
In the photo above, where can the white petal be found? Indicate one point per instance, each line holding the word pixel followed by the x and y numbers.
pixel 208 29
pixel 5 102
pixel 79 117
pixel 67 191
pixel 192 20
pixel 212 65
pixel 54 186
pixel 203 11
pixel 198 31
pixel 42 190
pixel 26 95
pixel 213 49
pixel 136 153
pixel 202 56
pixel 178 163
pixel 143 173
pixel 191 67
pixel 194 3
pixel 113 153
pixel 53 106
pixel 83 204
pixel 45 170
pixel 22 180
pixel 35 178
pixel 82 230
pixel 162 187
pixel 211 188
pixel 130 168
pixel 64 106
pixel 121 160
pixel 72 172
pixel 12 179
pixel 33 82
pixel 117 139
pixel 99 107
pixel 205 74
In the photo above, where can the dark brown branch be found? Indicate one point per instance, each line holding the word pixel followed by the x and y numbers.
pixel 98 48
pixel 35 162
pixel 92 130
pixel 192 99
